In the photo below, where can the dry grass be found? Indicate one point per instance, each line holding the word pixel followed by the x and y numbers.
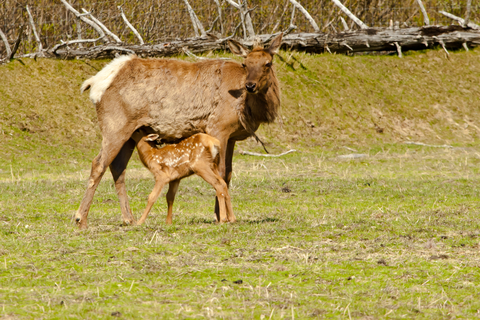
pixel 391 235
pixel 316 237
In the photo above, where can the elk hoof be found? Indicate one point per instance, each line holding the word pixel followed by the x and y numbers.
pixel 128 222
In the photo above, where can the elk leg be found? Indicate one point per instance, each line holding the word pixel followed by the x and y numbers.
pixel 172 190
pixel 107 154
pixel 225 170
pixel 117 168
pixel 159 183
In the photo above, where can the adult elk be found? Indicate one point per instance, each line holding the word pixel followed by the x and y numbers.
pixel 176 99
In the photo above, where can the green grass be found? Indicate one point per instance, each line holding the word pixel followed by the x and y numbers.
pixel 392 235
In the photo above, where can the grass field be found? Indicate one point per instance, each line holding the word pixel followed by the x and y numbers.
pixel 394 234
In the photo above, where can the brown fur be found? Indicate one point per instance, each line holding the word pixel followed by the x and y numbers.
pixel 197 154
pixel 176 99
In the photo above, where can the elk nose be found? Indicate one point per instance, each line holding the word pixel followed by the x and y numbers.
pixel 250 86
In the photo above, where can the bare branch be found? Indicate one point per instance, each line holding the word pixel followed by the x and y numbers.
pixel 197 25
pixel 104 28
pixel 248 153
pixel 426 21
pixel 444 48
pixel 37 38
pixel 83 18
pixel 245 17
pixel 460 20
pixel 17 43
pixel 399 50
pixel 79 32
pixel 5 41
pixel 232 35
pixel 135 32
pixel 281 17
pixel 213 25
pixel 350 14
pixel 291 27
pixel 219 8
pixel 467 13
pixel 63 44
pixel 192 55
pixel 345 25
pixel 306 14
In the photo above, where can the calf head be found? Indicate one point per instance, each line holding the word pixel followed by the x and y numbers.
pixel 257 64
pixel 142 134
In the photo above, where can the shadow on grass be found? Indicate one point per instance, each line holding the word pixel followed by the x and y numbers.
pixel 258 221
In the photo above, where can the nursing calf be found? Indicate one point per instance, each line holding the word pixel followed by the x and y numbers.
pixel 198 154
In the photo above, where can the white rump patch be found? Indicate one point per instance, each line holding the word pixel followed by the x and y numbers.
pixel 103 79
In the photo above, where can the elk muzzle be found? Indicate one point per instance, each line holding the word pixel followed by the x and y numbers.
pixel 251 86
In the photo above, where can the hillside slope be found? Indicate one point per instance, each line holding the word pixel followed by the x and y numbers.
pixel 327 100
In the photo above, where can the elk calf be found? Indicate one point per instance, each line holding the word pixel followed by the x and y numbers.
pixel 198 154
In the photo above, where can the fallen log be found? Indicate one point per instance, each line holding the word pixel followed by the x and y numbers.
pixel 371 39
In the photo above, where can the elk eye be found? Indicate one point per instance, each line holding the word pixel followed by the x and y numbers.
pixel 243 65
pixel 268 64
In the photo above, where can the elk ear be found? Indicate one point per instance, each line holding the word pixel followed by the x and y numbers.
pixel 237 48
pixel 152 137
pixel 275 44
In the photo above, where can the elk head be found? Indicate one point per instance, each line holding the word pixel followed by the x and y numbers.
pixel 257 64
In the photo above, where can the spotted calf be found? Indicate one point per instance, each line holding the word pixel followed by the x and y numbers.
pixel 198 154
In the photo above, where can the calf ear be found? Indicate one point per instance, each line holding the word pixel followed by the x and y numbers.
pixel 237 48
pixel 152 137
pixel 275 44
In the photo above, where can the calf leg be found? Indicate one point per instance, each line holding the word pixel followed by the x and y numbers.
pixel 213 178
pixel 172 190
pixel 117 168
pixel 159 183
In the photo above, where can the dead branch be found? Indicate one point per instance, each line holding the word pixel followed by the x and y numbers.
pixel 428 145
pixel 372 39
pixel 101 25
pixel 219 8
pixel 37 38
pixel 232 35
pixel 17 43
pixel 79 32
pixel 247 25
pixel 291 26
pixel 426 21
pixel 281 17
pixel 248 153
pixel 63 44
pixel 5 41
pixel 306 14
pixel 399 50
pixel 345 25
pixel 460 20
pixel 350 14
pixel 197 25
pixel 192 55
pixel 83 18
pixel 135 32
pixel 467 13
